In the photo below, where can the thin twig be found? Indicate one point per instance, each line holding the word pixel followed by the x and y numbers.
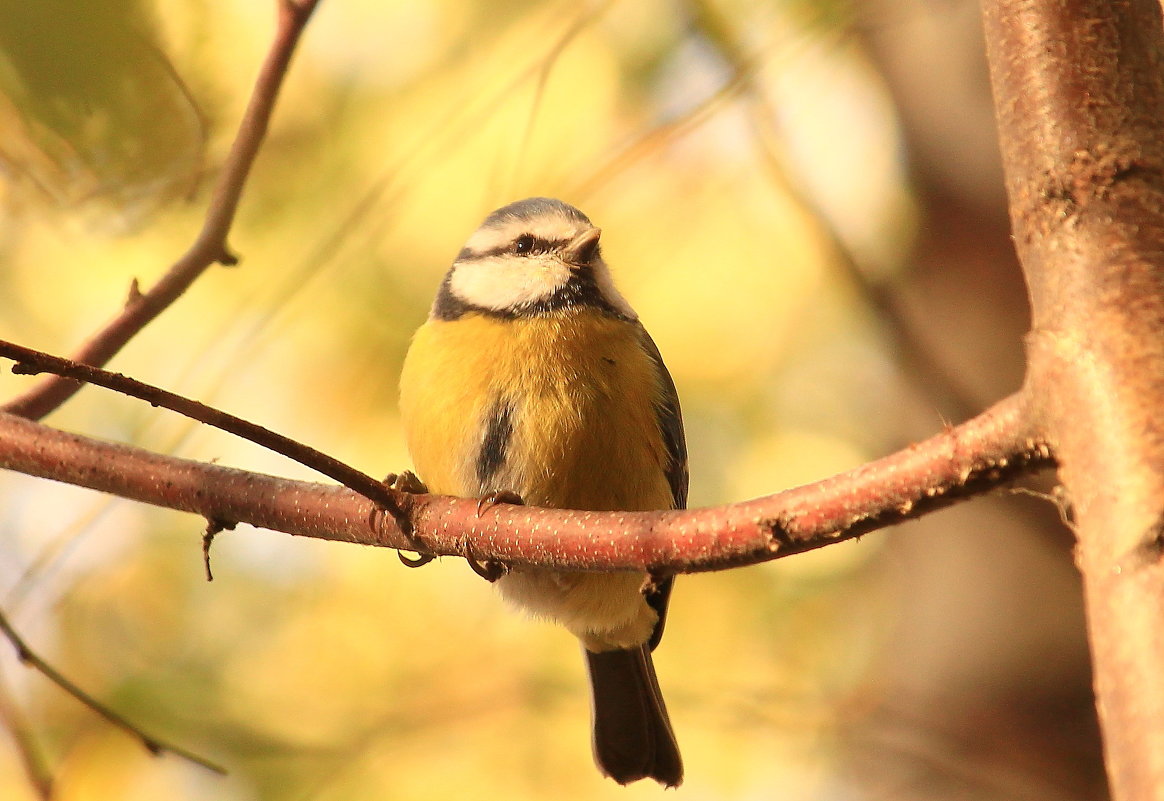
pixel 213 529
pixel 918 360
pixel 32 757
pixel 152 744
pixel 29 361
pixel 210 245
pixel 549 61
pixel 651 140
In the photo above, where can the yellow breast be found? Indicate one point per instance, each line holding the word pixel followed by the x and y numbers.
pixel 583 427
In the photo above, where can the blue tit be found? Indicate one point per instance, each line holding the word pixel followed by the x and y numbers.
pixel 533 375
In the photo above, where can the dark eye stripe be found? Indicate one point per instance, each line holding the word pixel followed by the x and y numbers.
pixel 539 245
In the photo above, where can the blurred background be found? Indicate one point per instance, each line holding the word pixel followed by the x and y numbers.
pixel 803 201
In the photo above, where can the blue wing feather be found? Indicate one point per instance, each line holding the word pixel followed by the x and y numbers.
pixel 670 419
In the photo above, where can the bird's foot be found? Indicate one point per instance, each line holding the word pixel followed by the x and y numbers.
pixel 487 502
pixel 407 481
pixel 410 483
pixel 489 569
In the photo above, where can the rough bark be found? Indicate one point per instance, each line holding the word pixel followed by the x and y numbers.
pixel 1079 87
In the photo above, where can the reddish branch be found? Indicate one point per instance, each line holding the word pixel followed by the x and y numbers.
pixel 1079 92
pixel 960 462
pixel 210 245
pixel 141 308
pixel 31 362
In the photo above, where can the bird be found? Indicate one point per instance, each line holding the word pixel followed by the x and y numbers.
pixel 533 376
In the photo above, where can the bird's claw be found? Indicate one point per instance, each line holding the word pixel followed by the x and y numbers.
pixel 420 560
pixel 490 570
pixel 407 481
pixel 410 483
pixel 487 502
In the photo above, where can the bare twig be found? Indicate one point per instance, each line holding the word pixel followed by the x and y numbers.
pixel 32 361
pixel 59 545
pixel 152 744
pixel 649 141
pixel 213 529
pixel 548 62
pixel 32 757
pixel 960 462
pixel 210 245
pixel 918 360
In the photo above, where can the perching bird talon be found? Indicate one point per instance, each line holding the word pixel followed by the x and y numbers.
pixel 489 570
pixel 420 560
pixel 410 483
pixel 487 502
pixel 407 481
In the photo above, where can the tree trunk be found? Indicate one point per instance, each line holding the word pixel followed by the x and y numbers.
pixel 1078 88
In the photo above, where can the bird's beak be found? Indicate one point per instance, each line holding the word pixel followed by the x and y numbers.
pixel 583 247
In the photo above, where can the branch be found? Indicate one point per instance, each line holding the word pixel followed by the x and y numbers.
pixel 967 460
pixel 210 245
pixel 152 744
pixel 30 362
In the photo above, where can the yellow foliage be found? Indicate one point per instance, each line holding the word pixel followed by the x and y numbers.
pixel 318 670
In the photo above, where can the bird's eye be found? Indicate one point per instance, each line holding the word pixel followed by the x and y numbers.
pixel 523 244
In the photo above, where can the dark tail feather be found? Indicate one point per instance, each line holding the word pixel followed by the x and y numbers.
pixel 632 734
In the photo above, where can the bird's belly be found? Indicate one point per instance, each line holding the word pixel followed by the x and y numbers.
pixel 571 448
pixel 580 431
pixel 604 610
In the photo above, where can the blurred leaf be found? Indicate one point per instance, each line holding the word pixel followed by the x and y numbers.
pixel 94 115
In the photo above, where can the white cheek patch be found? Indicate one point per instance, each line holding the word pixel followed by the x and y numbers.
pixel 501 283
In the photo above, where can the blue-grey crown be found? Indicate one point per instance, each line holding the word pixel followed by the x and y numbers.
pixel 532 208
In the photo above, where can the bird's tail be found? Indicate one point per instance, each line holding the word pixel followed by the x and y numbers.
pixel 632 733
